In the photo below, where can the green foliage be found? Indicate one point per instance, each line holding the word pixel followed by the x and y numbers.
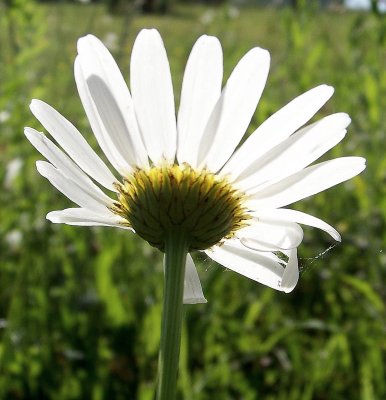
pixel 80 308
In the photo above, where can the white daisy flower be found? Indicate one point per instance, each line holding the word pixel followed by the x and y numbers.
pixel 188 174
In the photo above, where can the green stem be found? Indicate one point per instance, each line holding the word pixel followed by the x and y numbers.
pixel 176 249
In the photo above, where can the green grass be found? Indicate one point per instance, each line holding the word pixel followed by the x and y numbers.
pixel 80 308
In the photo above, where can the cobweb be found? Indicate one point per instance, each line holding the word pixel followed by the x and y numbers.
pixel 306 263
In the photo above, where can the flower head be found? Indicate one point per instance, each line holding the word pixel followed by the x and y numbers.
pixel 188 174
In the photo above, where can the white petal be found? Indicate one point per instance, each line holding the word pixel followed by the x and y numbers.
pixel 96 60
pixel 73 143
pixel 192 286
pixel 114 122
pixel 85 217
pixel 105 142
pixel 234 110
pixel 296 152
pixel 307 182
pixel 283 214
pixel 253 264
pixel 152 90
pixel 74 191
pixel 65 165
pixel 201 89
pixel 271 235
pixel 291 273
pixel 277 128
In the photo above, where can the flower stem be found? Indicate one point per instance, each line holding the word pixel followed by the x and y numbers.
pixel 176 249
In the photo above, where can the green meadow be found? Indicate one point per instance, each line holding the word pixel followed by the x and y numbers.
pixel 80 308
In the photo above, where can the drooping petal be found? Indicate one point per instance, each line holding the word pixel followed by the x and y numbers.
pixel 85 217
pixel 73 143
pixel 284 214
pixel 201 88
pixel 64 164
pixel 74 191
pixel 271 235
pixel 260 267
pixel 192 286
pixel 291 273
pixel 306 183
pixel 277 128
pixel 296 152
pixel 152 90
pixel 234 109
pixel 95 60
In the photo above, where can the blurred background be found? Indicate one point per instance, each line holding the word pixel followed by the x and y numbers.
pixel 80 307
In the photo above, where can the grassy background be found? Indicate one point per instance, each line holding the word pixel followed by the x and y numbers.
pixel 80 308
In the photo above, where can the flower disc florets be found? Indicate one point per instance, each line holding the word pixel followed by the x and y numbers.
pixel 202 205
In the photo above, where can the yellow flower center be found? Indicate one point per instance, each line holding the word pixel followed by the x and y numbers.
pixel 201 204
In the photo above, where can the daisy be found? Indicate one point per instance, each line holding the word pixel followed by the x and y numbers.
pixel 187 179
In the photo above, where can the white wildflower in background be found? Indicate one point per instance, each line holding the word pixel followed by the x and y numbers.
pixel 233 12
pixel 12 171
pixel 111 41
pixel 188 174
pixel 207 17
pixel 14 239
pixel 4 116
